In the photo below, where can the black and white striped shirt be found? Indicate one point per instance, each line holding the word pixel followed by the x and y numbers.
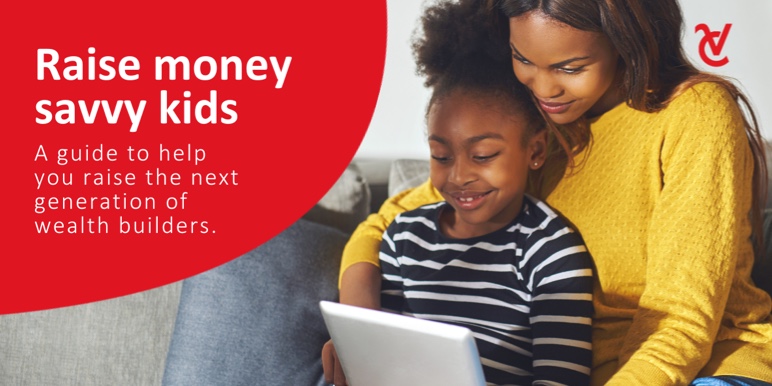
pixel 525 290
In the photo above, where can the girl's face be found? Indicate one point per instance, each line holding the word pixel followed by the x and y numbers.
pixel 479 162
pixel 571 72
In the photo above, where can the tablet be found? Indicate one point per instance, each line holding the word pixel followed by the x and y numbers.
pixel 378 348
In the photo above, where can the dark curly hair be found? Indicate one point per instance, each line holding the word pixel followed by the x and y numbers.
pixel 461 47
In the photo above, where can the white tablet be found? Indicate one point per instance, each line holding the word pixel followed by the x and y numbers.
pixel 379 348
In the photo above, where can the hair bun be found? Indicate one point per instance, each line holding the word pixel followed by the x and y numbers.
pixel 451 30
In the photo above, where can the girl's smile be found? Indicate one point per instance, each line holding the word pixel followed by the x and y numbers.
pixel 480 161
pixel 468 199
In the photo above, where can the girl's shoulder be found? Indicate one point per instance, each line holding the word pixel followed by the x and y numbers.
pixel 540 220
pixel 424 214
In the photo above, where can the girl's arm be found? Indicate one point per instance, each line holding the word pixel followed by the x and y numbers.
pixel 392 290
pixel 360 273
pixel 699 229
pixel 561 307
pixel 360 286
pixel 366 239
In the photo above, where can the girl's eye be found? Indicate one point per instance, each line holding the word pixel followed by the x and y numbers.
pixel 483 158
pixel 441 160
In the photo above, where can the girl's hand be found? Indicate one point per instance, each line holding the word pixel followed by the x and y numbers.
pixel 360 286
pixel 333 372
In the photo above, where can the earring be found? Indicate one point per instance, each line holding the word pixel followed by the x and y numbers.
pixel 535 164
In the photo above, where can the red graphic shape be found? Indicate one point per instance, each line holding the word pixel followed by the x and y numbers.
pixel 715 41
pixel 258 174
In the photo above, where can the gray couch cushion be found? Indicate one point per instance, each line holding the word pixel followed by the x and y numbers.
pixel 376 172
pixel 121 341
pixel 406 174
pixel 346 204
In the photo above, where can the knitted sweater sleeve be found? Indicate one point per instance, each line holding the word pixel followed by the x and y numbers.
pixel 365 242
pixel 698 227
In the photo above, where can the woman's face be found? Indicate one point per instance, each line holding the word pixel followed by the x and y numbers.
pixel 571 72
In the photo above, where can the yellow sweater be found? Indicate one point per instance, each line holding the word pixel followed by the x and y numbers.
pixel 662 203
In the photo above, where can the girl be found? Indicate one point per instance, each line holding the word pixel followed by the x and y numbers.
pixel 488 257
pixel 667 197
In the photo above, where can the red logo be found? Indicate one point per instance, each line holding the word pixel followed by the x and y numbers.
pixel 714 39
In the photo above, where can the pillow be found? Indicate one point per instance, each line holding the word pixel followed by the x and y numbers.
pixel 406 174
pixel 121 341
pixel 346 204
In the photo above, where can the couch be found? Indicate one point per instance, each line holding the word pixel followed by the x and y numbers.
pixel 124 341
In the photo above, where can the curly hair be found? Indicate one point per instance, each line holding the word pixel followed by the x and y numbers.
pixel 461 48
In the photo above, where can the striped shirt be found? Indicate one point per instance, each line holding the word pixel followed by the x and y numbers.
pixel 525 291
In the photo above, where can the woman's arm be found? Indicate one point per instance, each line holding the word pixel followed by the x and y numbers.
pixel 698 230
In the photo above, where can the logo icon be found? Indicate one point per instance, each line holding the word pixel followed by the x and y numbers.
pixel 715 40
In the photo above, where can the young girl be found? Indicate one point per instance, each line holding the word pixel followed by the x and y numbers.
pixel 489 257
pixel 666 197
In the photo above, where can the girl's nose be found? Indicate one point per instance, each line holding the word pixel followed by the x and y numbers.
pixel 462 172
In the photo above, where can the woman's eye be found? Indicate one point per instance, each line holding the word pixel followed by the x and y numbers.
pixel 571 71
pixel 440 159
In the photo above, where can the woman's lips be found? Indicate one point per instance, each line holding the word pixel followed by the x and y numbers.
pixel 554 108
pixel 469 200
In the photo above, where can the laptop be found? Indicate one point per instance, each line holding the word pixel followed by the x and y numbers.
pixel 379 348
